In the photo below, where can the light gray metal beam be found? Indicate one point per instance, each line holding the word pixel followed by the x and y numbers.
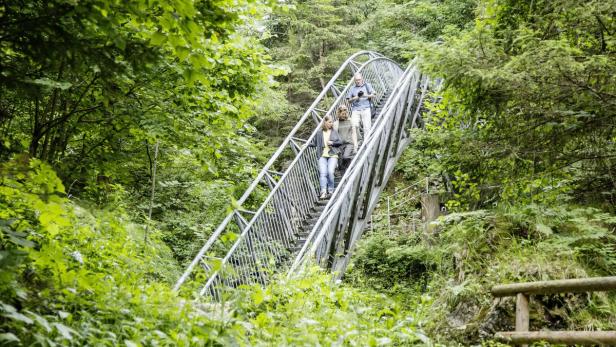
pixel 335 233
pixel 264 244
pixel 293 195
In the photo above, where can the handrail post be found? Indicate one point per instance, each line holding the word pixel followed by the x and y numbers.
pixel 522 319
pixel 388 218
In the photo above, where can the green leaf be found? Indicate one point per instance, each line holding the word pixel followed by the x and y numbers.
pixel 41 321
pixel 190 75
pixel 46 82
pixel 7 308
pixel 182 52
pixel 18 317
pixel 19 238
pixel 257 296
pixel 9 337
pixel 120 42
pixel 229 237
pixel 544 229
pixel 158 38
pixel 65 331
pixel 215 264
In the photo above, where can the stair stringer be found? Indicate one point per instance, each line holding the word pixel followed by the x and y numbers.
pixel 334 236
pixel 250 246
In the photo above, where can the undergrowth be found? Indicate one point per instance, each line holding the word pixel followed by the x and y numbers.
pixel 466 254
pixel 76 276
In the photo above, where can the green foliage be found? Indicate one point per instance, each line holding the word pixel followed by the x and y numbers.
pixel 525 119
pixel 396 26
pixel 313 38
pixel 383 258
pixel 69 276
pixel 417 161
pixel 90 86
pixel 473 251
pixel 189 201
pixel 312 311
pixel 528 102
pixel 180 80
pixel 275 116
pixel 76 276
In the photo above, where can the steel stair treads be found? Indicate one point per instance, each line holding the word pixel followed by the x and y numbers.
pixel 292 225
pixel 345 217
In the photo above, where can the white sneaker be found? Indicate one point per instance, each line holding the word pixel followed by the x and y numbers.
pixel 323 195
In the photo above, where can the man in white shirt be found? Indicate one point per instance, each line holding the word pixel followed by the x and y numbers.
pixel 359 96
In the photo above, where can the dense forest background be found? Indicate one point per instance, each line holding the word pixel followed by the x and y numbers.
pixel 99 99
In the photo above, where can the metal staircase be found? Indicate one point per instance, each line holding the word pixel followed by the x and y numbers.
pixel 290 225
pixel 343 219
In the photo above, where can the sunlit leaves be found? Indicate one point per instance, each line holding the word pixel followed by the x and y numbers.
pixel 312 310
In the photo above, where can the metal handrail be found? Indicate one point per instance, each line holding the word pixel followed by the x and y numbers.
pixel 290 198
pixel 294 164
pixel 333 236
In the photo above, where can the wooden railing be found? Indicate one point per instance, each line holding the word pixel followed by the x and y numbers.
pixel 522 291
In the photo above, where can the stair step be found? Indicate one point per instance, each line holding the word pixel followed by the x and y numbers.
pixel 302 217
pixel 302 234
pixel 318 209
pixel 308 227
pixel 311 220
pixel 313 215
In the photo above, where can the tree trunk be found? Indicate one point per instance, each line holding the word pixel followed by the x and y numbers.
pixel 321 63
pixel 430 208
pixel 37 130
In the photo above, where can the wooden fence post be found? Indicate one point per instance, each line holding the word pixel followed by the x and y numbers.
pixel 522 291
pixel 522 318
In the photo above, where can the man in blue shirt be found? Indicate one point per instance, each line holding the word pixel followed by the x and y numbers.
pixel 359 96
